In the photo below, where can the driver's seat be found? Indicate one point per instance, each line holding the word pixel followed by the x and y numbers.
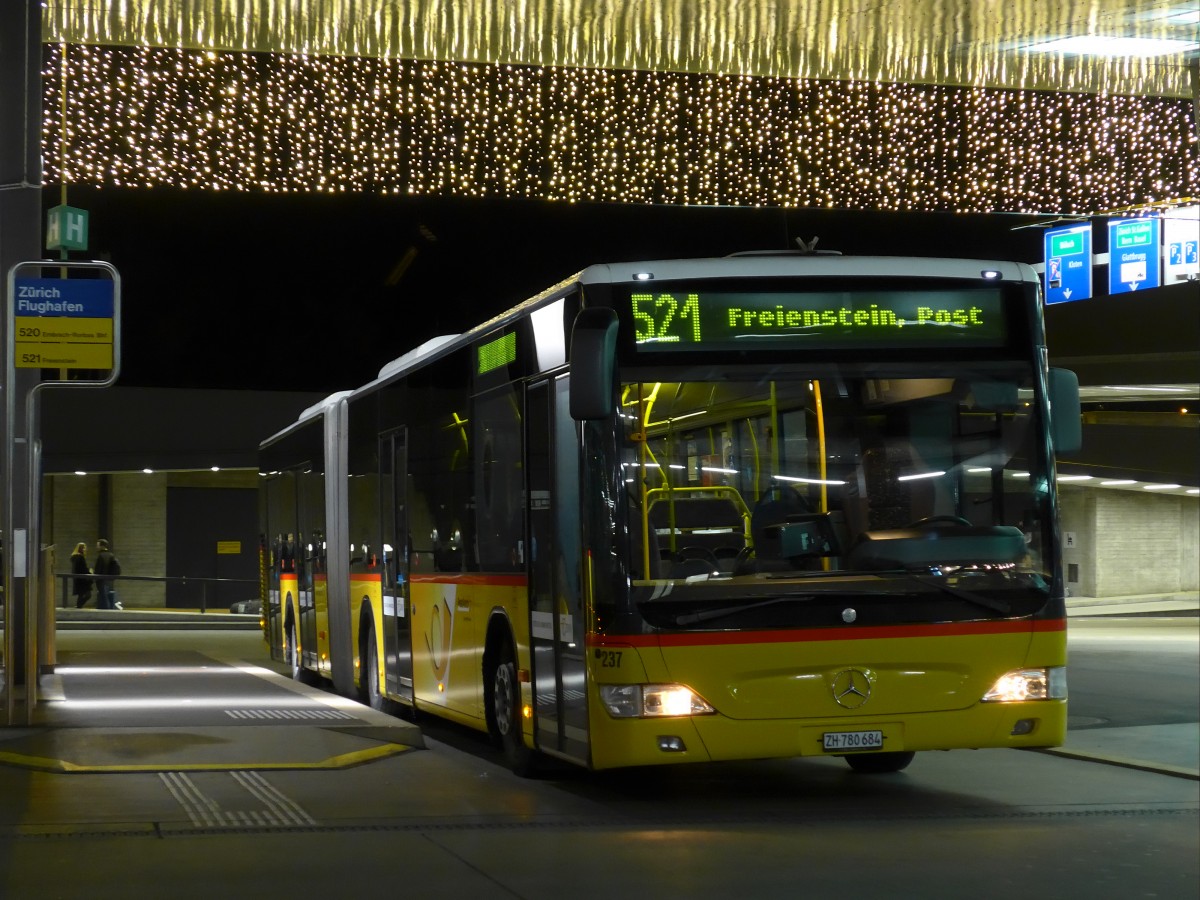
pixel 774 508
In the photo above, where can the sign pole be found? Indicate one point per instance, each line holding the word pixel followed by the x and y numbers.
pixel 53 325
pixel 20 225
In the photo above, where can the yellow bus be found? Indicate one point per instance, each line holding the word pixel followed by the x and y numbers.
pixel 672 511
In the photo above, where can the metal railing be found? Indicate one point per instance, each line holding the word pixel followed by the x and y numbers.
pixel 67 598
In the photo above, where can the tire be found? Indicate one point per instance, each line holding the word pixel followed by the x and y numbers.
pixel 506 710
pixel 370 675
pixel 292 654
pixel 879 763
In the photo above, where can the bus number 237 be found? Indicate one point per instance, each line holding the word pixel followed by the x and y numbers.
pixel 661 317
pixel 609 659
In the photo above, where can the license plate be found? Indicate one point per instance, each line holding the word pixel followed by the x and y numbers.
pixel 852 740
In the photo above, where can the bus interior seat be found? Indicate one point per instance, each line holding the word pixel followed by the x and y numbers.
pixel 774 508
pixel 706 528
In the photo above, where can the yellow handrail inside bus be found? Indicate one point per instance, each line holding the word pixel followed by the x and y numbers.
pixel 822 459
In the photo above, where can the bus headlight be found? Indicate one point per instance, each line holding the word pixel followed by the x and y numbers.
pixel 626 701
pixel 1029 684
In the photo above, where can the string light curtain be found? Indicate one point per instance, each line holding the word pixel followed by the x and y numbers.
pixel 148 117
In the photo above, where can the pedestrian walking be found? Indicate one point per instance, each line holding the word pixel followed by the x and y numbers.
pixel 81 586
pixel 107 568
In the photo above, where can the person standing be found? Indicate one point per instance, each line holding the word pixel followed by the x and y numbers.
pixel 108 566
pixel 81 587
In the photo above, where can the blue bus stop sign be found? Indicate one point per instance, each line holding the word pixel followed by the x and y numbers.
pixel 1068 258
pixel 1134 255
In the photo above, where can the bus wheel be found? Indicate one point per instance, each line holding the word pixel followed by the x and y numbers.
pixel 370 674
pixel 292 652
pixel 506 704
pixel 877 763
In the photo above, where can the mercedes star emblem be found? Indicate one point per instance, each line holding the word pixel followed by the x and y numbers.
pixel 852 688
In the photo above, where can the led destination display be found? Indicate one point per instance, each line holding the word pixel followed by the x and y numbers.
pixel 672 320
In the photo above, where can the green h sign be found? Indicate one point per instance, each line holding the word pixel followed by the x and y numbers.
pixel 66 228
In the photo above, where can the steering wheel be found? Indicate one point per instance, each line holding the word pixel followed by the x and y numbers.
pixel 701 553
pixel 934 521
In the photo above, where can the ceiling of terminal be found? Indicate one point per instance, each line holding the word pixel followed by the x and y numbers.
pixel 988 43
pixel 985 43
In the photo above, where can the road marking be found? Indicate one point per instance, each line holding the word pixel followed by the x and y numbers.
pixel 288 714
pixel 279 810
pixel 286 808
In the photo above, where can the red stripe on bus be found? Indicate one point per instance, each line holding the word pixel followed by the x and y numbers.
pixel 507 580
pixel 714 638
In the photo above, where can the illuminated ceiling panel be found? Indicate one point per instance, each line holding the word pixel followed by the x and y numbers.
pixel 960 42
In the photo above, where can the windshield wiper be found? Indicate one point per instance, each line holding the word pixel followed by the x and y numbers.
pixel 970 596
pixel 706 615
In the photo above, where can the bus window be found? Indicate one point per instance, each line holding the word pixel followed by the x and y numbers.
pixel 499 480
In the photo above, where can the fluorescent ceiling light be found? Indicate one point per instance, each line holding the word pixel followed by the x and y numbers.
pixel 1102 45
pixel 918 475
pixel 807 480
pixel 1164 389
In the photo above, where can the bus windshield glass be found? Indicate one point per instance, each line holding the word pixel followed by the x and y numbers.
pixel 760 500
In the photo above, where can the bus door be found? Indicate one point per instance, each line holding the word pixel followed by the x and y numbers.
pixel 397 624
pixel 557 622
pixel 311 510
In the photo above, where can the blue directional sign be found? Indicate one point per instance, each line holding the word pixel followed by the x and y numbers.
pixel 1134 254
pixel 83 298
pixel 1068 257
pixel 63 323
pixel 1181 238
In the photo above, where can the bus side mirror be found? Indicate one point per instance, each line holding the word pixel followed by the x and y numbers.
pixel 593 363
pixel 1066 426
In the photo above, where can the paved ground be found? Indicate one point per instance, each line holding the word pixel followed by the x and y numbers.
pixel 184 762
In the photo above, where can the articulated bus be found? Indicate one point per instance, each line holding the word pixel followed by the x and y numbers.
pixel 768 505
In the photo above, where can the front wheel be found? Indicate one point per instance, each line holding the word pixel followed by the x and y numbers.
pixel 879 763
pixel 506 706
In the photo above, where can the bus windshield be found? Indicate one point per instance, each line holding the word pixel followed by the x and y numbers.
pixel 755 500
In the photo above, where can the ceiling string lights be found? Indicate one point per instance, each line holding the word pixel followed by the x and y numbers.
pixel 147 117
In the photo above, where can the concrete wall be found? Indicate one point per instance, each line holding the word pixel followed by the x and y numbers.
pixel 133 518
pixel 1129 542
pixel 1189 543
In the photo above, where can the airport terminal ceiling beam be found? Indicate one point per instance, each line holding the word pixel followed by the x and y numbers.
pixel 952 42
